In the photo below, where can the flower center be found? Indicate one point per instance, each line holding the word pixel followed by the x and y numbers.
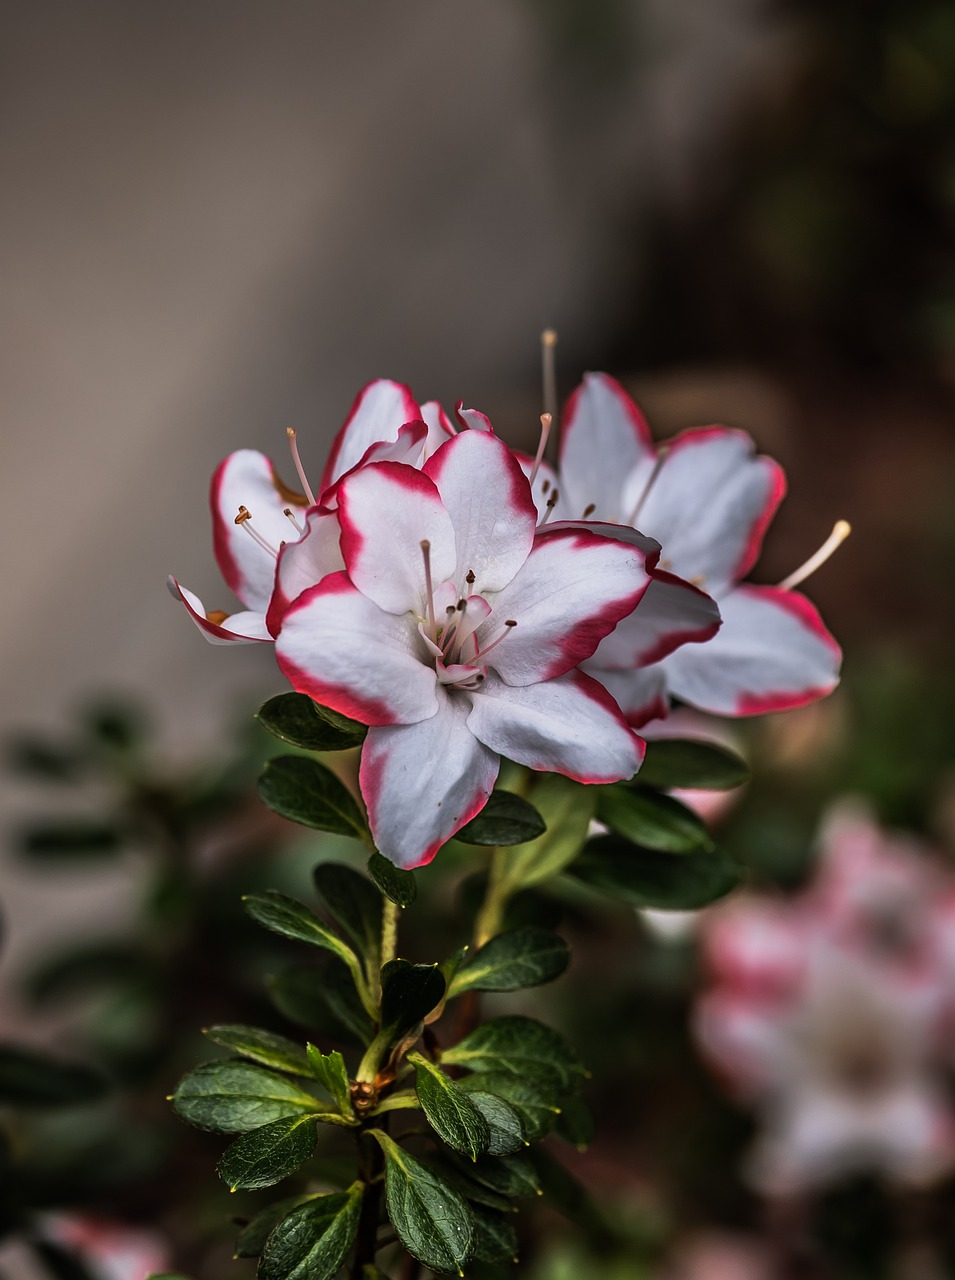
pixel 449 630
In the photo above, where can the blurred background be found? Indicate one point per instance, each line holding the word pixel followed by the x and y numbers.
pixel 222 218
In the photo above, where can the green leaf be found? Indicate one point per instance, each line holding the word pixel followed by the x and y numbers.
pixel 353 902
pixel 330 1070
pixel 521 958
pixel 448 1109
pixel 266 1047
pixel 535 1103
pixel 80 838
pixel 235 1096
pixel 506 819
pixel 268 1154
pixel 296 719
pixel 522 1046
pixel 495 1239
pixel 293 919
pixel 323 999
pixel 30 1079
pixel 506 1132
pixel 646 878
pixel 507 1176
pixel 576 1123
pixel 691 763
pixel 313 1241
pixel 651 820
pixel 408 994
pixel 398 885
pixel 251 1239
pixel 304 791
pixel 432 1221
pixel 567 808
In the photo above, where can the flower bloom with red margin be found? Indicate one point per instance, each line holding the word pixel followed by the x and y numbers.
pixel 708 498
pixel 454 630
pixel 831 1014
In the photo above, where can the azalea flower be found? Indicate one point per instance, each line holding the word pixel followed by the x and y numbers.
pixel 828 1014
pixel 110 1250
pixel 708 498
pixel 454 630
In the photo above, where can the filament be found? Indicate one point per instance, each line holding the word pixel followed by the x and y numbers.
pixel 293 445
pixel 547 420
pixel 429 589
pixel 654 474
pixel 840 531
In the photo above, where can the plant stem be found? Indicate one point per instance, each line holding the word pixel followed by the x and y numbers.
pixel 371 1160
pixel 491 915
pixel 389 931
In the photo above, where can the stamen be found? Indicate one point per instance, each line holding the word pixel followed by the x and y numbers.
pixel 546 422
pixel 469 577
pixel 426 553
pixel 552 502
pixel 482 653
pixel 293 445
pixel 549 371
pixel 291 515
pixel 244 519
pixel 545 486
pixel 840 531
pixel 657 468
pixel 590 508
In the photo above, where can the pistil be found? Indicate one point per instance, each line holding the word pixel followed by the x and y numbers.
pixel 546 422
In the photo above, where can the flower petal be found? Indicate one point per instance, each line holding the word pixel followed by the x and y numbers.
pixel 440 428
pixel 472 418
pixel 572 590
pixel 604 441
pixel 346 653
pixel 640 694
pixel 570 725
pixel 305 563
pixel 379 410
pixel 672 612
pixel 248 479
pixel 386 511
pixel 246 627
pixel 489 501
pixel 422 782
pixel 772 653
pixel 710 505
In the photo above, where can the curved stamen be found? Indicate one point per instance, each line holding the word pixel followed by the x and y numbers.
pixel 552 502
pixel 546 422
pixel 293 445
pixel 482 653
pixel 657 468
pixel 300 528
pixel 840 531
pixel 244 520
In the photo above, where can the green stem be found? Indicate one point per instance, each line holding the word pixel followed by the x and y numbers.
pixel 368 1067
pixel 491 915
pixel 389 931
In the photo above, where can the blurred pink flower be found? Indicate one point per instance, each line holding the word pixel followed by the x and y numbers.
pixel 110 1250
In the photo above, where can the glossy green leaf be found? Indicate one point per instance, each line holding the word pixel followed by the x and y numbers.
pixel 536 1103
pixel 506 1131
pixel 519 1045
pixel 691 763
pixel 313 1241
pixel 251 1239
pixel 408 994
pixel 394 882
pixel 31 1079
pixel 265 1047
pixel 646 878
pixel 308 793
pixel 521 958
pixel 322 998
pixel 330 1071
pixel 508 1176
pixel 353 902
pixel 576 1123
pixel 448 1109
pixel 81 838
pixel 506 819
pixel 567 808
pixel 293 919
pixel 268 1154
pixel 651 820
pixel 430 1218
pixel 296 719
pixel 235 1097
pixel 495 1239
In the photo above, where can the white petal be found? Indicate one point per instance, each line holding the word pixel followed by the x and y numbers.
pixel 440 429
pixel 569 725
pixel 710 505
pixel 305 563
pixel 489 501
pixel 572 591
pixel 671 613
pixel 386 511
pixel 604 442
pixel 247 479
pixel 379 410
pixel 246 627
pixel 772 653
pixel 640 694
pixel 422 782
pixel 346 653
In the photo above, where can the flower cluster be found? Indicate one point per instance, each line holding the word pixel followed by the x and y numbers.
pixel 831 1013
pixel 468 603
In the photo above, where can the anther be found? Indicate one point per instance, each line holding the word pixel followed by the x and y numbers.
pixel 469 577
pixel 482 653
pixel 244 520
pixel 657 468
pixel 590 508
pixel 546 423
pixel 429 589
pixel 510 623
pixel 462 605
pixel 840 531
pixel 291 515
pixel 552 502
pixel 293 445
pixel 545 486
pixel 244 514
